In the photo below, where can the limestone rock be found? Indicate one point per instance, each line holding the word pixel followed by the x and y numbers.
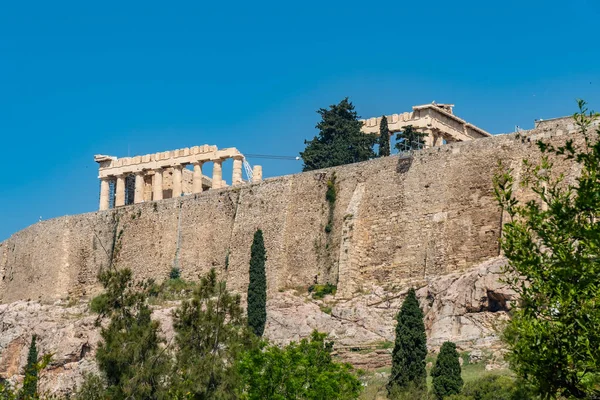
pixel 466 308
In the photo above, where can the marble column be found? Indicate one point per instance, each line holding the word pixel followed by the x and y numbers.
pixel 217 176
pixel 236 178
pixel 177 180
pixel 104 194
pixel 139 188
pixel 257 174
pixel 120 191
pixel 197 178
pixel 157 185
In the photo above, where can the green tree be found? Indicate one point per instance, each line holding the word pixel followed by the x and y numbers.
pixel 29 389
pixel 410 139
pixel 410 349
pixel 340 140
pixel 257 287
pixel 211 334
pixel 131 355
pixel 446 372
pixel 384 138
pixel 303 370
pixel 553 247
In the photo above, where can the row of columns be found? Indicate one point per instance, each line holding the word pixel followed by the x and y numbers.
pixel 157 183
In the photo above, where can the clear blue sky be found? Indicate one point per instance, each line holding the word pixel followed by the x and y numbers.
pixel 81 78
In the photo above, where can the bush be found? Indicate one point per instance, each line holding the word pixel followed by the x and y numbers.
pixel 175 273
pixel 446 372
pixel 320 291
pixel 303 370
pixel 495 387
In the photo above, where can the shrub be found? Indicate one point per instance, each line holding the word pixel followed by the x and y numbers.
pixel 175 273
pixel 320 291
pixel 446 372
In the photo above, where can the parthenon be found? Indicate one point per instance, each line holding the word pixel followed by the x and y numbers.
pixel 151 177
pixel 437 120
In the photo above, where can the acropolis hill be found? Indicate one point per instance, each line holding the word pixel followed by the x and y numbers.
pixel 396 219
pixel 426 219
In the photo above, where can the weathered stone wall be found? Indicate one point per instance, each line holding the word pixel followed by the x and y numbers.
pixel 395 220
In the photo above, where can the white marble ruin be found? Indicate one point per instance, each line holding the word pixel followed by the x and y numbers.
pixel 149 172
pixel 437 120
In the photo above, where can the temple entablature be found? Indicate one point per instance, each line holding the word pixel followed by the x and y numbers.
pixel 437 120
pixel 157 176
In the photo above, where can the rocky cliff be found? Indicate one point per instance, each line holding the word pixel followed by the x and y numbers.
pixel 467 308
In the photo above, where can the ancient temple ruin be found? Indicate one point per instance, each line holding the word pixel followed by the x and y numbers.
pixel 164 175
pixel 437 120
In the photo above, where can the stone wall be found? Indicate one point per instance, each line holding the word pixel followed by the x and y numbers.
pixel 395 220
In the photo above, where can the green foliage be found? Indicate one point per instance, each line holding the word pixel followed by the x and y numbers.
pixel 92 388
pixel 29 389
pixel 257 287
pixel 384 138
pixel 302 370
pixel 31 371
pixel 211 335
pixel 553 247
pixel 340 140
pixel 320 291
pixel 495 387
pixel 446 372
pixel 410 392
pixel 410 139
pixel 175 273
pixel 330 196
pixel 410 349
pixel 131 356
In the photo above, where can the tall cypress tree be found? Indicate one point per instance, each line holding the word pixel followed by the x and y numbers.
pixel 257 288
pixel 410 349
pixel 446 372
pixel 384 138
pixel 31 373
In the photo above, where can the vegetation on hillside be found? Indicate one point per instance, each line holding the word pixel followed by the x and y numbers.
pixel 553 247
pixel 257 287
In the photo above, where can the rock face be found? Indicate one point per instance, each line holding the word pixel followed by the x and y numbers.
pixel 466 308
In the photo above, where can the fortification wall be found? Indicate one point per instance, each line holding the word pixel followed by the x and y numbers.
pixel 395 220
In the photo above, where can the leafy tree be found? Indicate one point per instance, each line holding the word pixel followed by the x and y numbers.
pixel 410 349
pixel 446 372
pixel 211 334
pixel 131 355
pixel 410 139
pixel 303 370
pixel 553 247
pixel 384 138
pixel 257 287
pixel 340 140
pixel 31 372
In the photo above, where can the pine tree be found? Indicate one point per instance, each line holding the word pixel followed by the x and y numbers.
pixel 410 349
pixel 384 138
pixel 257 288
pixel 446 372
pixel 31 372
pixel 340 140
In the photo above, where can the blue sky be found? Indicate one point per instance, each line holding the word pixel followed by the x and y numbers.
pixel 119 78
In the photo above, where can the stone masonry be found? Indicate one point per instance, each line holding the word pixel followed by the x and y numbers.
pixel 396 219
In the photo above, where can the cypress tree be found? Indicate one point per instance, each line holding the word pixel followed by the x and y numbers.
pixel 446 372
pixel 384 138
pixel 257 288
pixel 31 373
pixel 410 349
